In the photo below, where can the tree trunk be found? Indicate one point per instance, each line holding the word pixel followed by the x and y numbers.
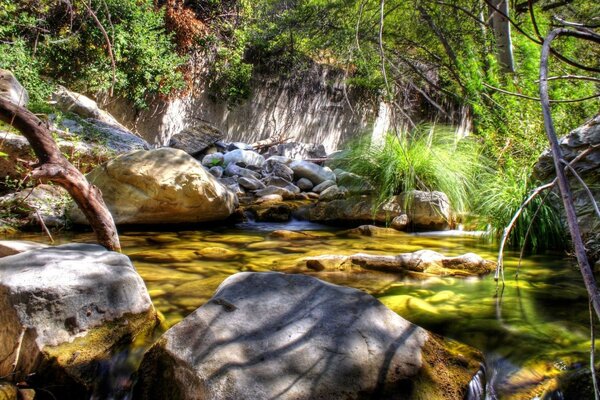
pixel 55 168
pixel 501 28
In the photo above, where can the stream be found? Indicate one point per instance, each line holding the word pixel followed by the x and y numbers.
pixel 536 329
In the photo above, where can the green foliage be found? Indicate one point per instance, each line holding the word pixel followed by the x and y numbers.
pixel 501 196
pixel 49 39
pixel 426 158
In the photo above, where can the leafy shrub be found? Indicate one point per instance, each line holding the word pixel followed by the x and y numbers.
pixel 426 158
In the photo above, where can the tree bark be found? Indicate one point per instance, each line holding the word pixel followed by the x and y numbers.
pixel 501 28
pixel 54 167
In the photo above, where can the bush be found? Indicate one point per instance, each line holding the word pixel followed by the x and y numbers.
pixel 500 198
pixel 426 158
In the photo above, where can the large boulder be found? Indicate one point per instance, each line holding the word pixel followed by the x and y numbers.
pixel 77 103
pixel 272 335
pixel 582 143
pixel 425 210
pixel 65 311
pixel 423 261
pixel 11 89
pixel 196 138
pixel 159 186
pixel 311 171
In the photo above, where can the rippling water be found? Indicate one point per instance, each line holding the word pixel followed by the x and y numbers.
pixel 535 329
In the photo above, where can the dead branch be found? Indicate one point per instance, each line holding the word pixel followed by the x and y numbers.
pixel 563 183
pixel 585 187
pixel 54 167
pixel 523 96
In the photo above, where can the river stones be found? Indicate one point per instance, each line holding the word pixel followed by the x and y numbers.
pixel 311 171
pixel 370 230
pixel 65 309
pixel 422 261
pixel 272 335
pixel 159 186
pixel 246 157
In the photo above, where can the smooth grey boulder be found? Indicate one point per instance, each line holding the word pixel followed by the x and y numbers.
pixel 115 138
pixel 251 183
pixel 11 89
pixel 162 186
pixel 196 137
pixel 279 159
pixel 323 185
pixel 234 170
pixel 245 157
pixel 311 171
pixel 276 181
pixel 355 184
pixel 282 336
pixel 304 184
pixel 67 308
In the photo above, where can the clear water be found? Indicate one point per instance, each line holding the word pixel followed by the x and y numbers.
pixel 537 328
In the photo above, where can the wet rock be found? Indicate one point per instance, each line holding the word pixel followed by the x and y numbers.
pixel 11 89
pixel 333 193
pixel 243 157
pixel 217 253
pixel 11 247
pixel 47 202
pixel 233 170
pixel 290 235
pixel 311 171
pixel 271 335
pixel 196 138
pixel 322 186
pixel 370 230
pixel 285 193
pixel 213 159
pixel 422 261
pixel 304 184
pixel 269 198
pixel 160 186
pixel 69 308
pixel 251 183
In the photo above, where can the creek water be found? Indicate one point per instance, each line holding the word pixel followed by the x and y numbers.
pixel 537 328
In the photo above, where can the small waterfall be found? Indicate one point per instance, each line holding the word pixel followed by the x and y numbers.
pixel 477 386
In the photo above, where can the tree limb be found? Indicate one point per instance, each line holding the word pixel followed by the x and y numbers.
pixel 54 167
pixel 563 183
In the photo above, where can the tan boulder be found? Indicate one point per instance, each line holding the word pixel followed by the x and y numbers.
pixel 159 186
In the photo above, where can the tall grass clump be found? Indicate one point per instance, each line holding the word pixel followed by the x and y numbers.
pixel 502 194
pixel 426 158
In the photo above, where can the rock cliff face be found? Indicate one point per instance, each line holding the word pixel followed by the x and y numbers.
pixel 313 108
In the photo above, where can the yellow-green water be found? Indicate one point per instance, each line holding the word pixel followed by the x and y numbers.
pixel 540 322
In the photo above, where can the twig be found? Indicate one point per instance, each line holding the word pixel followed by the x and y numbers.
pixel 523 96
pixel 18 349
pixel 574 77
pixel 44 227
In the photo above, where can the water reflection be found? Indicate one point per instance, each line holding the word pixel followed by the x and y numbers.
pixel 535 330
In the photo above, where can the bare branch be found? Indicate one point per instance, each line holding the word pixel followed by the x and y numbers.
pixel 108 45
pixel 523 96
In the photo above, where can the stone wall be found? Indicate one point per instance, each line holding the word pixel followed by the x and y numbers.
pixel 314 107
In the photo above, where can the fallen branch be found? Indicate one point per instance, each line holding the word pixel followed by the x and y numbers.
pixel 54 167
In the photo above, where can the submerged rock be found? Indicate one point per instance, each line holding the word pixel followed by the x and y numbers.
pixel 272 335
pixel 422 261
pixel 160 186
pixel 370 230
pixel 66 309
